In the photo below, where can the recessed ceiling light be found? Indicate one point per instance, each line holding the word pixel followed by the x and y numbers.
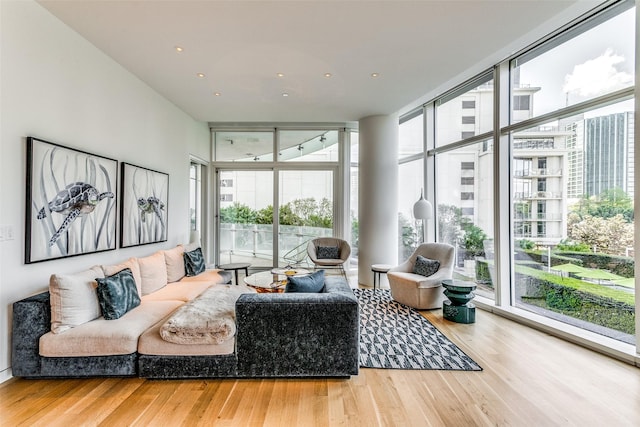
pixel 327 74
pixel 375 74
pixel 201 75
pixel 217 94
pixel 280 74
pixel 285 94
pixel 179 49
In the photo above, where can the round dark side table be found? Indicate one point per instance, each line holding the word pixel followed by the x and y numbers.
pixel 459 308
pixel 235 267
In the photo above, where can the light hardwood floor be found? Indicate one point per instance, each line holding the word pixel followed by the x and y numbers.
pixel 529 379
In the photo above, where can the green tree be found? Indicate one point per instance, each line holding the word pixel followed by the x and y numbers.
pixel 449 224
pixel 408 237
pixel 472 240
pixel 607 204
pixel 237 214
pixel 265 215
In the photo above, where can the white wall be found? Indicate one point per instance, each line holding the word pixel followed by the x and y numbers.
pixel 56 86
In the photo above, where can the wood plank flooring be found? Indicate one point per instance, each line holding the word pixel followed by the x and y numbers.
pixel 529 379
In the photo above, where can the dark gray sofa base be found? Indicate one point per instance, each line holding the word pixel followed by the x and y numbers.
pixel 176 367
pixel 278 335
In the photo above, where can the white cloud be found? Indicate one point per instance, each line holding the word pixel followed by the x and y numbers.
pixel 597 76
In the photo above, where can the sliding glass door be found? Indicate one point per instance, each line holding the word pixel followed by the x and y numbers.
pixel 246 213
pixel 245 220
pixel 306 212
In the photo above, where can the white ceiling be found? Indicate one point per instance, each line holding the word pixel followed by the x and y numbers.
pixel 417 47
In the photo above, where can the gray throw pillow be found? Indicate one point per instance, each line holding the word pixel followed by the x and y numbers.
pixel 328 252
pixel 194 262
pixel 425 266
pixel 313 283
pixel 117 294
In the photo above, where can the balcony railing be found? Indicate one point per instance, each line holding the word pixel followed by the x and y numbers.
pixel 550 216
pixel 538 172
pixel 537 195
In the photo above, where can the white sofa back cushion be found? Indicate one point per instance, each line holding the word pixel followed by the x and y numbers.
pixel 174 260
pixel 74 300
pixel 131 263
pixel 153 272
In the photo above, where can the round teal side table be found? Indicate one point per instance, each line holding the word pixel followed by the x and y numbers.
pixel 459 308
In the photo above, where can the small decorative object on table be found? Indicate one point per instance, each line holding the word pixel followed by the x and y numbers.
pixel 459 308
pixel 274 280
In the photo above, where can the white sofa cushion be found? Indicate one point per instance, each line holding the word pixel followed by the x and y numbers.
pixel 153 272
pixel 107 337
pixel 131 263
pixel 74 300
pixel 174 261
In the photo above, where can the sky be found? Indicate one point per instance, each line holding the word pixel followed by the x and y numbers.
pixel 596 62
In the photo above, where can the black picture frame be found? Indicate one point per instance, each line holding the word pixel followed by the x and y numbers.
pixel 144 206
pixel 71 202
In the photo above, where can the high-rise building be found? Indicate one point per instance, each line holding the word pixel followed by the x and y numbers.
pixel 601 155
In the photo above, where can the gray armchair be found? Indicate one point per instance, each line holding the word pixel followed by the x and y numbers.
pixel 344 250
pixel 418 291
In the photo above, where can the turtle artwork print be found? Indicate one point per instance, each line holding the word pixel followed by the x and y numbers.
pixel 71 202
pixel 144 209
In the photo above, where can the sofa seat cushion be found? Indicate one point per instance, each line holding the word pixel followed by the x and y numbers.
pixel 151 343
pixel 415 280
pixel 107 337
pixel 179 291
pixel 210 276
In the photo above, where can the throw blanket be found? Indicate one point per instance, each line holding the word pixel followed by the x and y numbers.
pixel 210 318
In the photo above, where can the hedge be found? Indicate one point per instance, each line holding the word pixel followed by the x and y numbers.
pixel 599 305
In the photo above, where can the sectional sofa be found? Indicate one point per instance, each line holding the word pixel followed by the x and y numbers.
pixel 59 333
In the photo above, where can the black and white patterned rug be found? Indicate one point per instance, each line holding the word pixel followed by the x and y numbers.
pixel 394 336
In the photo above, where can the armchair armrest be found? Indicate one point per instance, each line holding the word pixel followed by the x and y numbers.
pixel 435 279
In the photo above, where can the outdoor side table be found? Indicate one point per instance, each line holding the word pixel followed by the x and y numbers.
pixel 235 267
pixel 379 269
pixel 459 308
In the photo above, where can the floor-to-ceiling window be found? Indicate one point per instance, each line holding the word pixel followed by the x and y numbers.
pixel 531 173
pixel 410 182
pixel 464 180
pixel 260 195
pixel 573 176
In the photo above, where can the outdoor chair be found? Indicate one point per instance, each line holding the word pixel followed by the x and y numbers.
pixel 329 252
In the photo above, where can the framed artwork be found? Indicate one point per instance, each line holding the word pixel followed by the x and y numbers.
pixel 70 203
pixel 145 194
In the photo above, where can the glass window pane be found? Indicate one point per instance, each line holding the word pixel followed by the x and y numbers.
pixel 355 225
pixel 596 62
pixel 411 137
pixel 243 146
pixel 573 216
pixel 195 196
pixel 306 212
pixel 466 115
pixel 410 182
pixel 464 211
pixel 308 146
pixel 246 217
